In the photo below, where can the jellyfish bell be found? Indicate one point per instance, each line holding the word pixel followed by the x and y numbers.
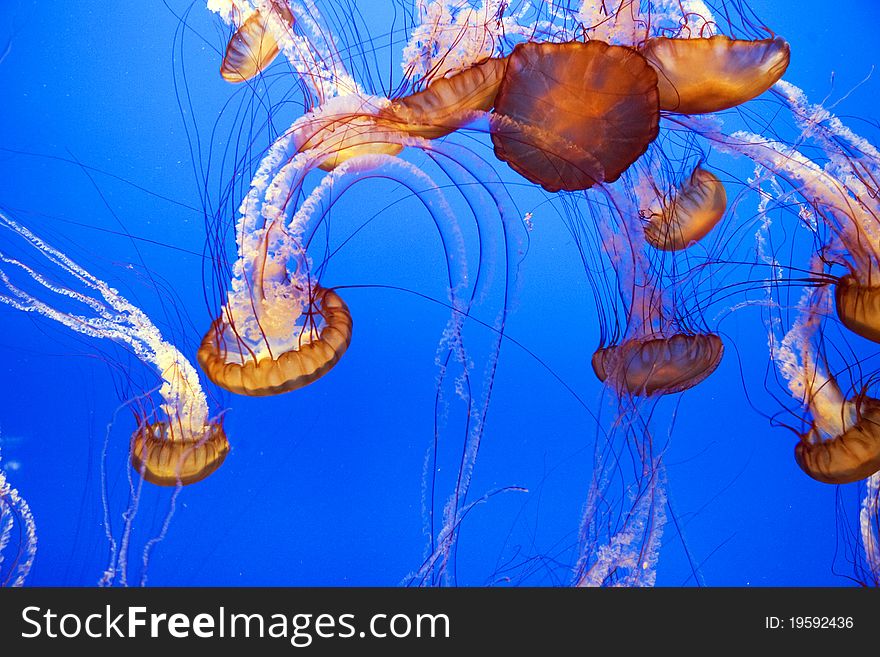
pixel 253 47
pixel 658 365
pixel 569 116
pixel 165 459
pixel 843 445
pixel 306 356
pixel 448 103
pixel 698 76
pixel 858 307
pixel 689 215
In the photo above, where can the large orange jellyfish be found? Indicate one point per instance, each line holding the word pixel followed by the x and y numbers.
pixel 184 447
pixel 849 449
pixel 572 115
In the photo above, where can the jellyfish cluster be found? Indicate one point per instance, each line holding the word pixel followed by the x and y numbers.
pixel 622 114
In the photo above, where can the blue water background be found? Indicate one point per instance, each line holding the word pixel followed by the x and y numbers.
pixel 325 486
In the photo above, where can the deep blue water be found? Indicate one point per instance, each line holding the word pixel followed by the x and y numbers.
pixel 325 486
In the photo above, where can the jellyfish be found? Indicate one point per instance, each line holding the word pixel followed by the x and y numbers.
pixel 166 461
pixel 573 115
pixel 253 47
pixel 18 535
pixel 844 444
pixel 280 329
pixel 694 210
pixel 703 75
pixel 660 346
pixel 665 365
pixel 183 447
pixel 355 124
pixel 699 70
pixel 448 103
pixel 323 339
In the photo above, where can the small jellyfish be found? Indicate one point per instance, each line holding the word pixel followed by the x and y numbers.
pixel 858 307
pixel 659 365
pixel 697 76
pixel 569 116
pixel 448 103
pixel 689 215
pixel 109 315
pixel 297 360
pixel 165 460
pixel 253 48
